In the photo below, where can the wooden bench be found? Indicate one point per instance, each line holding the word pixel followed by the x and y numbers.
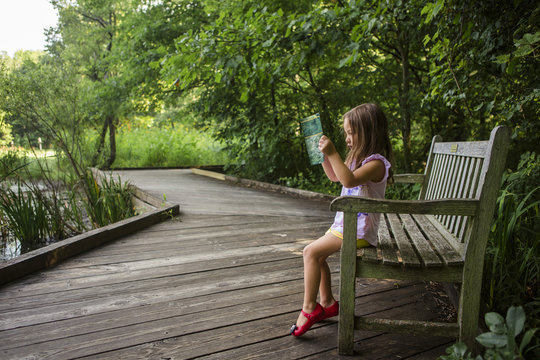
pixel 440 237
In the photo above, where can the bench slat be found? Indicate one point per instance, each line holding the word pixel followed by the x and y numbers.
pixel 386 245
pixel 464 191
pixel 476 166
pixel 449 255
pixel 467 148
pixel 458 190
pixel 449 182
pixel 435 175
pixel 439 176
pixel 428 257
pixel 368 254
pixel 408 256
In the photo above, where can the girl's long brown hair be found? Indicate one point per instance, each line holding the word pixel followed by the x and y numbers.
pixel 369 122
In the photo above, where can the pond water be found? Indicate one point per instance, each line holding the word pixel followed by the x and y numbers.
pixel 9 249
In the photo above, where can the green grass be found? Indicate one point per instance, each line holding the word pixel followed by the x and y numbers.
pixel 167 146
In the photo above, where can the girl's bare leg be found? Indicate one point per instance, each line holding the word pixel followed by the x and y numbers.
pixel 325 288
pixel 316 272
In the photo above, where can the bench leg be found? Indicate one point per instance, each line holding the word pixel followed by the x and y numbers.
pixel 346 318
pixel 468 312
pixel 347 286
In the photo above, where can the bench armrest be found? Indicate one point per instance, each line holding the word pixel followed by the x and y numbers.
pixel 409 178
pixel 463 207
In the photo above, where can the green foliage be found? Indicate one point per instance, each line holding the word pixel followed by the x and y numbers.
pixel 27 216
pixel 402 191
pixel 512 262
pixel 485 65
pixel 501 341
pixel 42 99
pixel 5 131
pixel 310 181
pixel 166 147
pixel 108 201
pixel 11 160
pixel 47 204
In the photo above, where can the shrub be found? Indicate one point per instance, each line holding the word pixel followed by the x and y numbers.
pixel 502 342
pixel 108 201
pixel 512 262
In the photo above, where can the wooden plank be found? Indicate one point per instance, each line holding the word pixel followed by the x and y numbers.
pixel 462 191
pixel 467 148
pixel 245 238
pixel 450 182
pixel 433 353
pixel 200 316
pixel 441 177
pixel 378 346
pixel 449 255
pixel 409 178
pixel 434 176
pixel 211 174
pixel 428 257
pixel 458 189
pixel 468 176
pixel 51 255
pixel 448 236
pixel 387 246
pixel 109 275
pixel 128 295
pixel 475 179
pixel 408 255
pixel 430 165
pixel 122 318
pixel 369 254
pixel 286 348
pixel 380 271
pixel 357 204
pixel 414 327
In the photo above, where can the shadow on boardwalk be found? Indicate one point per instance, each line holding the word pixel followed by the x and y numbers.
pixel 222 281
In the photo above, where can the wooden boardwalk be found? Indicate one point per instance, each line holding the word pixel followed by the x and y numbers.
pixel 222 281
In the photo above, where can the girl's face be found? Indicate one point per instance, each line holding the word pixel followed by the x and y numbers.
pixel 351 138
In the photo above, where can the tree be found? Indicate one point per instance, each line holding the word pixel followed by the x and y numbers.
pixel 258 69
pixel 85 39
pixel 385 36
pixel 43 98
pixel 485 66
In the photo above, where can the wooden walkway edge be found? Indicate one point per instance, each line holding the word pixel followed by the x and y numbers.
pixel 51 255
pixel 224 280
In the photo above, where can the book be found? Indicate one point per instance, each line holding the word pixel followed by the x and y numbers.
pixel 312 132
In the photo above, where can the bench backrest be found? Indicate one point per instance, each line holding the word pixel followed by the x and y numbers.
pixel 465 170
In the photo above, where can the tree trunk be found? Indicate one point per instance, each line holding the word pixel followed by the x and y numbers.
pixel 404 103
pixel 101 143
pixel 112 141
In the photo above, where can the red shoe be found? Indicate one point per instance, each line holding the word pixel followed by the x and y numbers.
pixel 315 316
pixel 331 311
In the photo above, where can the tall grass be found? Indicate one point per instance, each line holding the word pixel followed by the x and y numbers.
pixel 41 202
pixel 107 202
pixel 143 145
pixel 512 268
pixel 27 216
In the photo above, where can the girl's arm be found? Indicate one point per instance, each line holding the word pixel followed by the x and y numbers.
pixel 327 167
pixel 371 171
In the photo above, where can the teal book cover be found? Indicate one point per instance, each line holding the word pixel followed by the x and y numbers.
pixel 312 132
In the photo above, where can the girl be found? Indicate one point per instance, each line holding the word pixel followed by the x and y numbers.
pixel 365 172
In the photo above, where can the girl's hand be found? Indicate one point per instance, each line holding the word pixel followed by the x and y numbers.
pixel 326 146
